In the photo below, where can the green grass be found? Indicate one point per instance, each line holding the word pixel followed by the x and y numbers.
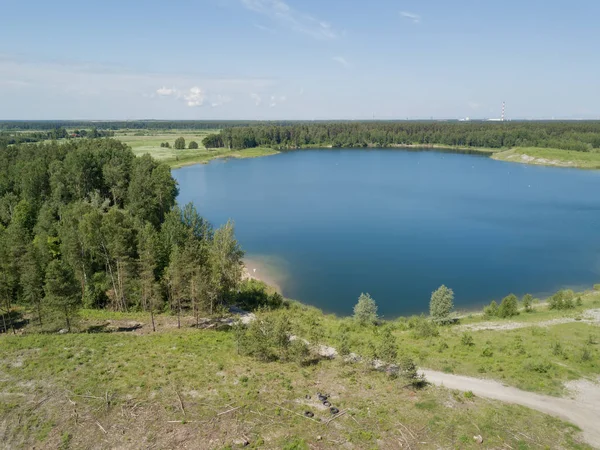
pixel 523 357
pixel 551 157
pixel 148 142
pixel 168 389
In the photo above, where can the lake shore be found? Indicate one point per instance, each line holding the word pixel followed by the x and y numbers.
pixel 550 157
pixel 257 270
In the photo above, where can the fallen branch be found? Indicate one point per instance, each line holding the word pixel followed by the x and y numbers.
pixel 335 417
pixel 180 402
pixel 228 411
pixel 294 412
pixel 101 427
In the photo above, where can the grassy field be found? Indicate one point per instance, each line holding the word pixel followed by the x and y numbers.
pixel 190 389
pixel 550 157
pixel 536 357
pixel 142 142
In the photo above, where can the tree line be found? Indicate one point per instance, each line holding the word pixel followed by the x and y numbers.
pixel 84 223
pixel 25 125
pixel 578 136
pixel 19 137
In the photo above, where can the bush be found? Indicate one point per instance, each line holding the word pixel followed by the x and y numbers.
pixel 365 311
pixel 423 328
pixel 557 349
pixel 579 302
pixel 266 338
pixel 299 352
pixel 162 144
pixel 586 354
pixel 387 349
pixel 597 287
pixel 509 306
pixel 467 339
pixel 537 366
pixel 179 143
pixel 441 303
pixel 562 300
pixel 193 145
pixel 487 352
pixel 408 371
pixel 527 302
pixel 491 310
pixel 253 295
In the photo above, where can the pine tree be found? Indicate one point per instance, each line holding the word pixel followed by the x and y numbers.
pixel 62 292
pixel 32 281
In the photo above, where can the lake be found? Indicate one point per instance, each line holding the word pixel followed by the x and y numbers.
pixel 326 225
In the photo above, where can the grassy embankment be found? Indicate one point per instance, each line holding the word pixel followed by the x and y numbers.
pixel 550 157
pixel 188 387
pixel 149 142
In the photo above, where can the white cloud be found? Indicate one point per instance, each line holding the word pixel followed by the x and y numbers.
pixel 194 97
pixel 257 99
pixel 276 100
pixel 164 91
pixel 283 14
pixel 415 18
pixel 219 100
pixel 341 60
pixel 265 29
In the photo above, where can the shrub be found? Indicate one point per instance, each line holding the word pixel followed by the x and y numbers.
pixel 193 145
pixel 579 302
pixel 388 349
pixel 267 338
pixel 586 354
pixel 537 366
pixel 162 144
pixel 487 352
pixel 528 302
pixel 179 143
pixel 597 287
pixel 365 311
pixel 167 145
pixel 557 349
pixel 299 352
pixel 441 303
pixel 408 371
pixel 491 310
pixel 253 295
pixel 509 306
pixel 562 300
pixel 467 339
pixel 423 328
pixel 568 299
pixel 344 347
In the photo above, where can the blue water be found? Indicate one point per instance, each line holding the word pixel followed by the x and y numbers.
pixel 331 224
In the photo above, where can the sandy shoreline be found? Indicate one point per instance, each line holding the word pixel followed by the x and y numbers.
pixel 256 270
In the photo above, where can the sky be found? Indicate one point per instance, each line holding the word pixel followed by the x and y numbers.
pixel 299 59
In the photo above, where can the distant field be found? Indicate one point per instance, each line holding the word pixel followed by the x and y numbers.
pixel 149 142
pixel 550 157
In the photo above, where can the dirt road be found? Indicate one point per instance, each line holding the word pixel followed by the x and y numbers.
pixel 583 409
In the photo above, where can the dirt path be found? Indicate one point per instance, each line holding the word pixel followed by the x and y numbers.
pixel 591 316
pixel 582 410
